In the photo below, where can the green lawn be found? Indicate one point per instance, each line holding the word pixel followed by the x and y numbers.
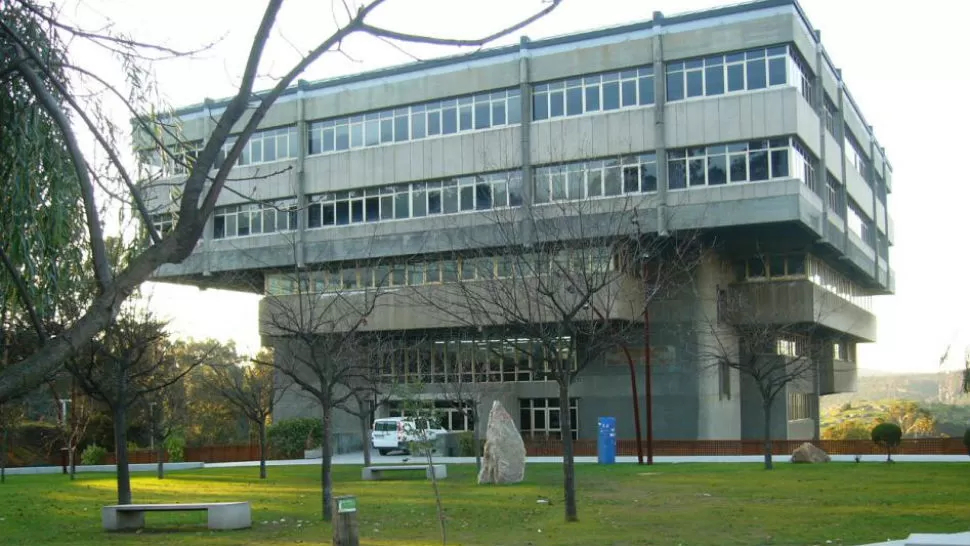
pixel 668 504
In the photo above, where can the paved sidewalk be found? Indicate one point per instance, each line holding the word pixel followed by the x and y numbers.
pixel 358 459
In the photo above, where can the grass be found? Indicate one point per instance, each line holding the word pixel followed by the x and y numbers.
pixel 668 504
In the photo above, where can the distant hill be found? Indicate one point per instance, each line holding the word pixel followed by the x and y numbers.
pixel 926 388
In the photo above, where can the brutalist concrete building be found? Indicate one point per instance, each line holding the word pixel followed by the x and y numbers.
pixel 732 122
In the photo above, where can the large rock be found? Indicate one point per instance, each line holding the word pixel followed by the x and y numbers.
pixel 504 459
pixel 808 453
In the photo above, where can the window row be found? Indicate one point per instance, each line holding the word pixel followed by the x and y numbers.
pixel 542 418
pixel 359 276
pixel 835 195
pixel 416 200
pixel 791 345
pixel 800 266
pixel 773 266
pixel 451 415
pixel 828 278
pixel 854 156
pixel 476 361
pixel 254 219
pixel 751 161
pixel 163 223
pixel 596 93
pixel 861 225
pixel 733 72
pixel 177 160
pixel 590 179
pixel 266 146
pixel 444 117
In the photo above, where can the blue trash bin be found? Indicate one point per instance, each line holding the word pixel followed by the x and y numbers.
pixel 606 441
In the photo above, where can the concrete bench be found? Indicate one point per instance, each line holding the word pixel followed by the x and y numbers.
pixel 374 472
pixel 220 515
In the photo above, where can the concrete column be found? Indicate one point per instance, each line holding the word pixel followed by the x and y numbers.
pixel 841 138
pixel 659 128
pixel 525 126
pixel 300 182
pixel 525 123
pixel 822 171
pixel 875 189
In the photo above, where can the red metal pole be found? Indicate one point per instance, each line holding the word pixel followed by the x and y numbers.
pixel 636 402
pixel 633 387
pixel 646 361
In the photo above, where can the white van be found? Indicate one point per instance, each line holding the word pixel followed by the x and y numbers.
pixel 396 433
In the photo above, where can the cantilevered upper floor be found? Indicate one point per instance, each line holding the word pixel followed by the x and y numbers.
pixel 731 117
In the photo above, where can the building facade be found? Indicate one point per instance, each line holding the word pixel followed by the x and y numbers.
pixel 732 122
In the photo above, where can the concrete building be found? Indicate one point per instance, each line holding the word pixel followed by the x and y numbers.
pixel 732 122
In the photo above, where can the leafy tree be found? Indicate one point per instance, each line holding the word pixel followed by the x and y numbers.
pixel 252 391
pixel 846 430
pixel 128 362
pixel 887 435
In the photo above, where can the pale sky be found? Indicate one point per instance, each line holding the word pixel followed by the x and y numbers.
pixel 901 62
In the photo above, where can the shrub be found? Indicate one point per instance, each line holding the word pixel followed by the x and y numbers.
pixel 94 454
pixel 887 435
pixel 966 440
pixel 466 444
pixel 290 437
pixel 175 447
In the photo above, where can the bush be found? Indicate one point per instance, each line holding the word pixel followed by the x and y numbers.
pixel 289 437
pixel 94 454
pixel 466 444
pixel 887 435
pixel 175 447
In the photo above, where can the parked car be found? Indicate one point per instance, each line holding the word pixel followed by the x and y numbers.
pixel 396 433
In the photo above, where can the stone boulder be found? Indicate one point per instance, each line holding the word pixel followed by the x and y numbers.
pixel 504 458
pixel 808 453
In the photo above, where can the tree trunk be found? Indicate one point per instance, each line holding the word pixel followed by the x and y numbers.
pixel 476 439
pixel 262 448
pixel 568 464
pixel 889 454
pixel 429 453
pixel 160 457
pixel 365 437
pixel 3 455
pixel 326 461
pixel 71 463
pixel 121 453
pixel 766 407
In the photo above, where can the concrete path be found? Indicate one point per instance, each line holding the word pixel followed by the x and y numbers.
pixel 358 459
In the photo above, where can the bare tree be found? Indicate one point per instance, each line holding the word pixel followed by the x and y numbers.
pixel 317 325
pixel 759 339
pixel 557 286
pixel 128 362
pixel 47 84
pixel 253 390
pixel 73 415
pixel 371 389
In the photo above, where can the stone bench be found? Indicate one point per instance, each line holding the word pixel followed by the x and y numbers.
pixel 220 515
pixel 374 472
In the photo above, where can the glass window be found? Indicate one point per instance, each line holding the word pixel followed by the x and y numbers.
pixel 714 80
pixel 716 169
pixel 756 74
pixel 759 165
pixel 776 70
pixel 695 83
pixel 735 77
pixel 540 106
pixel 676 174
pixel 593 98
pixel 675 86
pixel 483 115
pixel 574 101
pixel 779 163
pixel 648 177
pixel 629 93
pixel 611 95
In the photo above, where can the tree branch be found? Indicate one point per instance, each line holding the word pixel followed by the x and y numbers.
pixel 24 295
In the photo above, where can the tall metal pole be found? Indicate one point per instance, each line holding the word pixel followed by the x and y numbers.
pixel 646 361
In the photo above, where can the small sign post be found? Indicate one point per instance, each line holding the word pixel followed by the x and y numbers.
pixel 345 530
